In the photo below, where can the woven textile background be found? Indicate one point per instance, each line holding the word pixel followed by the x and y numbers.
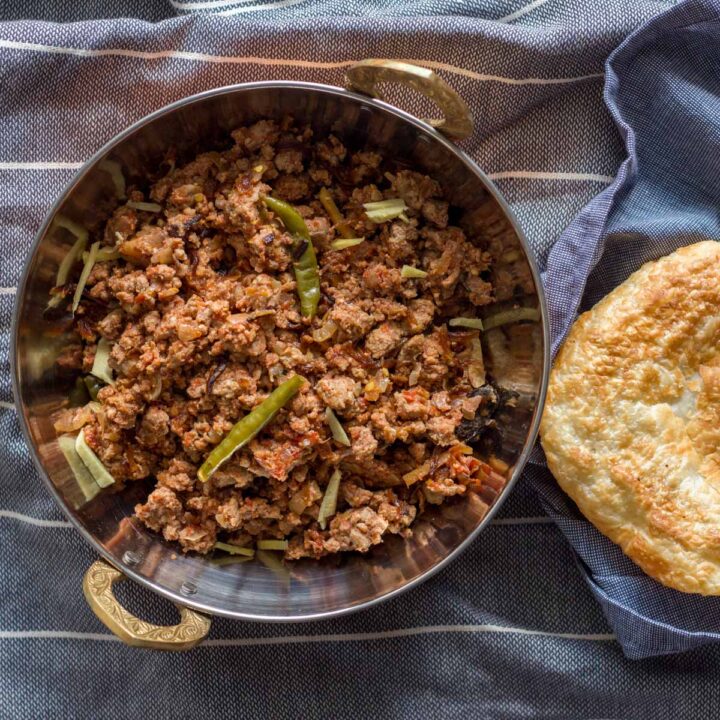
pixel 508 630
pixel 662 90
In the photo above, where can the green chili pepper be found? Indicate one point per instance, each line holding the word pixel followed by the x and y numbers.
pixel 291 218
pixel 334 212
pixel 79 394
pixel 93 385
pixel 246 429
pixel 92 462
pixel 307 275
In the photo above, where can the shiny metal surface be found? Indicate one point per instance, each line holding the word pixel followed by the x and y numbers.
pixel 365 76
pixel 98 588
pixel 518 356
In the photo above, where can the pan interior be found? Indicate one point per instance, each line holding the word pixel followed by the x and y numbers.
pixel 516 357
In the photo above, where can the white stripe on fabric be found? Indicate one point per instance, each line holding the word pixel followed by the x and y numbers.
pixel 34 521
pixel 506 80
pixel 7 405
pixel 267 6
pixel 306 639
pixel 522 11
pixel 401 633
pixel 54 635
pixel 8 291
pixel 502 175
pixel 40 165
pixel 538 175
pixel 282 62
pixel 213 4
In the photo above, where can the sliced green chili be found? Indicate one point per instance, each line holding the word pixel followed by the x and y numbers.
pixel 234 549
pixel 291 218
pixel 246 429
pixel 230 560
pixel 101 364
pixel 92 462
pixel 272 544
pixel 93 386
pixel 79 394
pixel 511 316
pixel 145 206
pixel 473 323
pixel 408 271
pixel 337 430
pixel 113 169
pixel 85 274
pixel 385 210
pixel 346 243
pixel 307 275
pixel 334 213
pixel 273 562
pixel 328 506
pixel 71 256
pixel 86 482
pixel 103 255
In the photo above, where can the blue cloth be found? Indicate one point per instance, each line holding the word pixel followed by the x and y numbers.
pixel 663 90
pixel 510 629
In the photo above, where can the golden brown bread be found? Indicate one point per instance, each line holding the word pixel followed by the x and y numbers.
pixel 631 428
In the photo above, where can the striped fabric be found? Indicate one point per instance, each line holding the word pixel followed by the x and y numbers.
pixel 661 79
pixel 510 629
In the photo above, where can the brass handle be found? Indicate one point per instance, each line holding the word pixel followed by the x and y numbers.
pixel 98 588
pixel 457 123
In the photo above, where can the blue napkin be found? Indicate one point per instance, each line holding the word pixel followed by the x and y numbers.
pixel 663 90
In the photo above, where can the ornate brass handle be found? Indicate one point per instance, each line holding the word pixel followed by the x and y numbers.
pixel 365 75
pixel 98 588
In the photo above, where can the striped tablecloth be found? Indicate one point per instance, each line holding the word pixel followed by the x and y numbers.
pixel 509 629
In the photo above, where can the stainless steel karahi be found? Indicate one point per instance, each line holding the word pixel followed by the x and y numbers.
pixel 517 356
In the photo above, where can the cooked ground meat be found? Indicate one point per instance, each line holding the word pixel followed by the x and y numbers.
pixel 202 316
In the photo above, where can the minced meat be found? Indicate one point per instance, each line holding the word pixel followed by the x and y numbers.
pixel 203 321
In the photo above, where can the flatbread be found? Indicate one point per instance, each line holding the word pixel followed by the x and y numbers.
pixel 631 428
